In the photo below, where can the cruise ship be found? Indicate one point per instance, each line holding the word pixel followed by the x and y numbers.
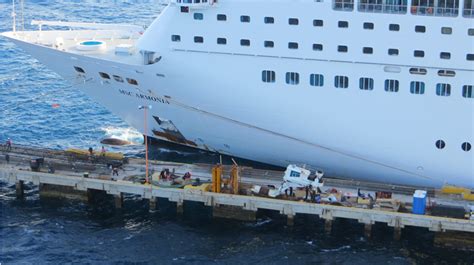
pixel 378 90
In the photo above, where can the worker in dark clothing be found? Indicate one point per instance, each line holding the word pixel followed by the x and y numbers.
pixel 7 158
pixel 115 171
pixel 306 189
pixel 9 144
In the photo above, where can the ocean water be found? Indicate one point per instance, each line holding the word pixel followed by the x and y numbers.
pixel 36 231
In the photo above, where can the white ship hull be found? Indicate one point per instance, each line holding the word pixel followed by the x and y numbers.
pixel 216 101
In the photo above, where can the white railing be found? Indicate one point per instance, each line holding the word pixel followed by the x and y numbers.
pixel 194 3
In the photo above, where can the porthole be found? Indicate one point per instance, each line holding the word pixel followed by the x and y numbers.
pixel 132 81
pixel 79 70
pixel 221 17
pixel 440 144
pixel 118 78
pixel 466 146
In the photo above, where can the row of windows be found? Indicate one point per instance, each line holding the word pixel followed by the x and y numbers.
pixel 466 146
pixel 106 76
pixel 366 83
pixel 341 24
pixel 319 47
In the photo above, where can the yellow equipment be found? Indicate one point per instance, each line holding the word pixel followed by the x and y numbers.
pixel 81 152
pixel 216 178
pixel 232 183
pixel 448 189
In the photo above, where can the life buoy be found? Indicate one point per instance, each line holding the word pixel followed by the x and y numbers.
pixel 429 10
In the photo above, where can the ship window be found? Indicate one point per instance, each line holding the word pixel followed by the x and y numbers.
pixel 368 25
pixel 245 19
pixel 292 45
pixel 391 85
pixel 244 42
pixel 198 16
pixel 318 23
pixel 341 81
pixel 132 81
pixel 343 24
pixel 344 5
pixel 440 144
pixel 418 71
pixel 175 38
pixel 293 21
pixel 342 48
pixel 420 29
pixel 393 52
pixel 104 75
pixel 470 32
pixel 316 80
pixel 222 41
pixel 448 8
pixel 292 78
pixel 418 53
pixel 380 6
pixel 198 39
pixel 467 91
pixel 470 56
pixel 317 47
pixel 268 76
pixel 118 78
pixel 417 87
pixel 466 146
pixel 366 83
pixel 448 73
pixel 394 27
pixel 269 20
pixel 184 9
pixel 268 44
pixel 368 50
pixel 468 8
pixel 446 30
pixel 79 70
pixel 445 55
pixel 221 17
pixel 443 90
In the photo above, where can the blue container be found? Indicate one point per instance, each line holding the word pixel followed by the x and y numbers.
pixel 419 202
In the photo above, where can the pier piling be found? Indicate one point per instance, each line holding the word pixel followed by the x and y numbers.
pixel 328 226
pixel 368 230
pixel 20 189
pixel 153 204
pixel 118 199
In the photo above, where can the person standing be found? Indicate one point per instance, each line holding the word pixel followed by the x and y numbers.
pixel 9 144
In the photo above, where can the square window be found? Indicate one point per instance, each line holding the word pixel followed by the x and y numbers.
pixel 317 47
pixel 368 25
pixel 175 38
pixel 244 42
pixel 343 24
pixel 368 50
pixel 292 45
pixel 269 20
pixel 198 16
pixel 184 9
pixel 245 19
pixel 316 80
pixel 366 83
pixel 293 21
pixel 318 23
pixel 342 48
pixel 420 29
pixel 419 54
pixel 391 85
pixel 443 90
pixel 222 41
pixel 470 57
pixel 394 27
pixel 221 17
pixel 292 78
pixel 417 87
pixel 268 44
pixel 198 39
pixel 445 55
pixel 341 81
pixel 393 52
pixel 446 30
pixel 470 32
pixel 467 91
pixel 268 76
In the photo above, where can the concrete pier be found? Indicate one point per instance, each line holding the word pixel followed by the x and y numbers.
pixel 234 212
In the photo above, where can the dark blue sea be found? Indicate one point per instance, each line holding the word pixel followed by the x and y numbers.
pixel 34 231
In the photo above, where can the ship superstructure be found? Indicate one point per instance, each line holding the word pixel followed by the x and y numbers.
pixel 370 89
